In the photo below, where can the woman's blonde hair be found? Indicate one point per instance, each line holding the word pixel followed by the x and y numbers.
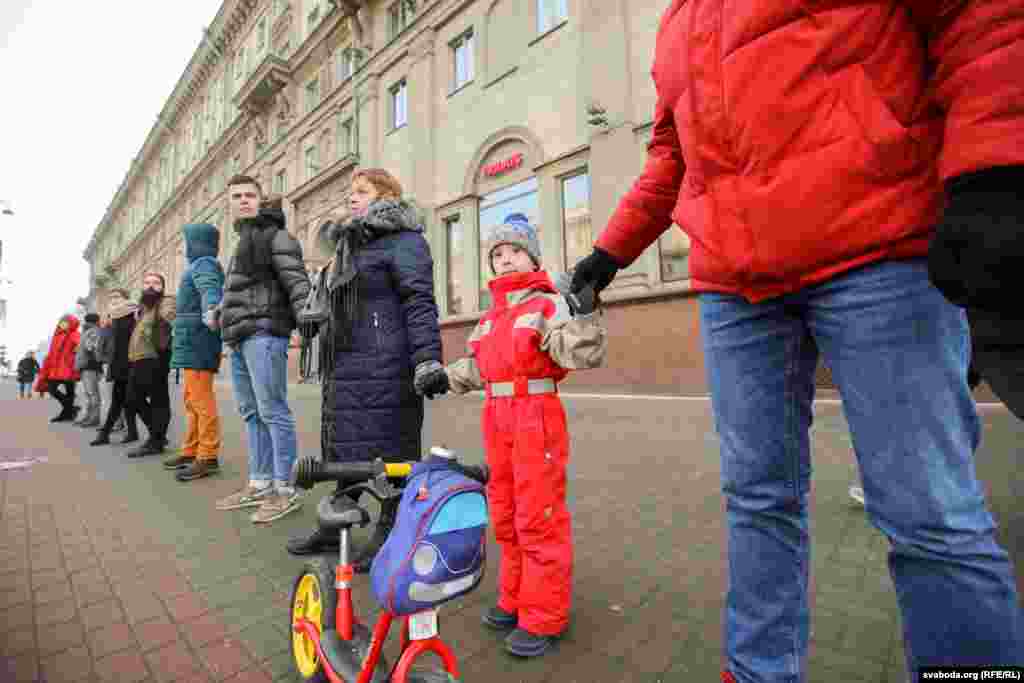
pixel 387 185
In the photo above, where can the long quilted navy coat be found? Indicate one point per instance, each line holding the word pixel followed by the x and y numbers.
pixel 375 409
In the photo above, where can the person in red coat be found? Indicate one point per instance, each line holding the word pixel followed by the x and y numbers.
pixel 523 346
pixel 58 375
pixel 809 149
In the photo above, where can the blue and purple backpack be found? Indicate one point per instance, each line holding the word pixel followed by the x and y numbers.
pixel 437 548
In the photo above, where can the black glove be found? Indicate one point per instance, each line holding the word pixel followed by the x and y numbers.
pixel 583 302
pixel 976 258
pixel 430 379
pixel 596 270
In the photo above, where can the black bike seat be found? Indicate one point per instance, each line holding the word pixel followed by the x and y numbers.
pixel 333 515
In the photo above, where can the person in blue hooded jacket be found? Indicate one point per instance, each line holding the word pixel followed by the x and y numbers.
pixel 197 350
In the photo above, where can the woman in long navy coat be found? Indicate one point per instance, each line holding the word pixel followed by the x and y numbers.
pixel 382 333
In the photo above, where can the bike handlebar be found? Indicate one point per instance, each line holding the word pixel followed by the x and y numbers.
pixel 309 471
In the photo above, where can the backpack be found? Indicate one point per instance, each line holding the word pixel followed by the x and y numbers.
pixel 437 548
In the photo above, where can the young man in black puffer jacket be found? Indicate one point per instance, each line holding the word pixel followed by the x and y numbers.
pixel 266 287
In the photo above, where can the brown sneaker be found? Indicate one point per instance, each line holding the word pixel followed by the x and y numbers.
pixel 249 497
pixel 276 506
pixel 178 461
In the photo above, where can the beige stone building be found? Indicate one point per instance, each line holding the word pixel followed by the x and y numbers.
pixel 480 107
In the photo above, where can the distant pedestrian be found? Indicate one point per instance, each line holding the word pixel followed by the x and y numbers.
pixel 88 364
pixel 119 323
pixel 28 368
pixel 58 375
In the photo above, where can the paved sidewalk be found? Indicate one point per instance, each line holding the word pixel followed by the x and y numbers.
pixel 112 571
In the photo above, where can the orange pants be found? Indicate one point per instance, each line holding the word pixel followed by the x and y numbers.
pixel 202 437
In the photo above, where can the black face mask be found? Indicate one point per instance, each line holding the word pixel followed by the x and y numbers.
pixel 151 296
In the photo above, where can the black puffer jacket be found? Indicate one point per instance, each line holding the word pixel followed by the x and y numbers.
pixel 375 410
pixel 252 305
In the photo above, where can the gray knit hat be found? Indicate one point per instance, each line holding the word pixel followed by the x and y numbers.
pixel 516 230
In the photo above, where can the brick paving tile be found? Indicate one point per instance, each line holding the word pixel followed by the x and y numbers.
pixel 102 614
pixel 51 559
pixel 15 581
pixel 92 593
pixel 56 612
pixel 123 667
pixel 142 608
pixel 10 599
pixel 173 661
pixel 50 576
pixel 111 639
pixel 197 677
pixel 60 590
pixel 204 630
pixel 14 643
pixel 185 606
pixel 24 669
pixel 87 576
pixel 59 637
pixel 12 561
pixel 263 640
pixel 253 675
pixel 168 585
pixel 71 665
pixel 280 667
pixel 155 633
pixel 225 658
pixel 15 618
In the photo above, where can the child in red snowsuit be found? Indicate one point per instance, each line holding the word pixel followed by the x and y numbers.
pixel 521 348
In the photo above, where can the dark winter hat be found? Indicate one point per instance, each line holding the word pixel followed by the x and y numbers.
pixel 516 230
pixel 92 318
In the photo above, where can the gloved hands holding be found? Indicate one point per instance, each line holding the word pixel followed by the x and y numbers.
pixel 430 379
pixel 212 318
pixel 596 270
pixel 583 302
pixel 976 258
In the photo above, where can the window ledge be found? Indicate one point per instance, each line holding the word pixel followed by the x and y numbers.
pixel 547 33
pixel 459 89
pixel 503 75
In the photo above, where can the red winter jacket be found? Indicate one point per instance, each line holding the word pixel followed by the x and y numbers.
pixel 796 139
pixel 59 364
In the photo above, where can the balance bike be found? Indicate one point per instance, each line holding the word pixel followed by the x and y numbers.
pixel 329 643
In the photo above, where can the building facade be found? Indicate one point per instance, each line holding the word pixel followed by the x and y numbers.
pixel 479 107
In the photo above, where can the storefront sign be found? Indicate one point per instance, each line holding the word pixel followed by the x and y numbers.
pixel 499 167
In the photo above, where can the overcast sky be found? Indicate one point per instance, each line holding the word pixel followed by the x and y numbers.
pixel 82 84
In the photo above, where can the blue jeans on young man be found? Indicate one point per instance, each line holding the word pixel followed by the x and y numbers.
pixel 898 352
pixel 259 375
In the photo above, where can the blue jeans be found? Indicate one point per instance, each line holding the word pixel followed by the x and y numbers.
pixel 898 352
pixel 259 375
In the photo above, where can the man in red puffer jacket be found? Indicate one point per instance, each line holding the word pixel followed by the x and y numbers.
pixel 58 375
pixel 808 148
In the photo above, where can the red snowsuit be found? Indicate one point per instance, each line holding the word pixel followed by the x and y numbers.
pixel 59 365
pixel 519 350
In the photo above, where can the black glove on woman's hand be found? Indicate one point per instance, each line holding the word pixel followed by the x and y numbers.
pixel 976 258
pixel 430 379
pixel 597 270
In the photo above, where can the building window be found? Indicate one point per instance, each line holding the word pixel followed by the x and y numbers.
pixel 261 35
pixel 576 218
pixel 312 161
pixel 400 15
pixel 345 139
pixel 674 254
pixel 462 59
pixel 281 182
pixel 313 17
pixel 312 94
pixel 551 13
pixel 459 286
pixel 494 207
pixel 399 104
pixel 345 60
